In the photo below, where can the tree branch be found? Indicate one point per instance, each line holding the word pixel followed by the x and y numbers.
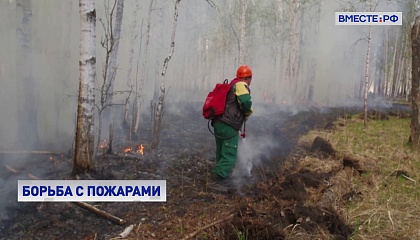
pixel 193 234
pixel 101 213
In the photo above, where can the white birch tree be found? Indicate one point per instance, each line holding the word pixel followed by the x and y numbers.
pixel 365 80
pixel 84 148
pixel 134 35
pixel 27 102
pixel 365 100
pixel 292 61
pixel 158 113
pixel 243 33
pixel 115 35
pixel 110 42
pixel 139 88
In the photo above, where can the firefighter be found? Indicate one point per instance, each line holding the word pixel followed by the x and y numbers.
pixel 226 127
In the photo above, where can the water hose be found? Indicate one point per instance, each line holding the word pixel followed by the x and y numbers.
pixel 242 133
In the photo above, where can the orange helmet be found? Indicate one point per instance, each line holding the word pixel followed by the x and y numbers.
pixel 244 71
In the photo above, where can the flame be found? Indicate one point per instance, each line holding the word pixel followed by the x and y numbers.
pixel 141 149
pixel 128 149
pixel 103 144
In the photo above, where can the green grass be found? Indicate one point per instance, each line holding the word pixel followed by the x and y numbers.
pixel 240 235
pixel 390 207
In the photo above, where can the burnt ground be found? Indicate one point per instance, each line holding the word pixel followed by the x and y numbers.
pixel 279 204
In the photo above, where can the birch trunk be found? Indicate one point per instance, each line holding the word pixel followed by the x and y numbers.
pixel 391 72
pixel 84 158
pixel 397 67
pixel 137 95
pixel 403 66
pixel 113 57
pixel 380 60
pixel 126 119
pixel 415 83
pixel 65 73
pixel 367 76
pixel 242 41
pixel 408 85
pixel 158 114
pixel 185 76
pixel 139 91
pixel 279 45
pixel 27 102
pixel 313 62
pixel 99 140
pixel 399 78
pixel 298 45
pixel 311 80
pixel 386 67
pixel 199 63
pixel 291 64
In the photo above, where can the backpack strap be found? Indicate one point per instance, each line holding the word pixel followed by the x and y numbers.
pixel 234 81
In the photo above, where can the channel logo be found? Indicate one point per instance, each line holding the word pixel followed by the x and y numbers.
pixel 368 18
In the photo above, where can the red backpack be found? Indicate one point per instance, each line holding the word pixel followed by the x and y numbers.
pixel 214 105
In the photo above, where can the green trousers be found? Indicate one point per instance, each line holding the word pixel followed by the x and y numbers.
pixel 226 149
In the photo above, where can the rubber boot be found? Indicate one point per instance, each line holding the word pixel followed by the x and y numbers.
pixel 218 184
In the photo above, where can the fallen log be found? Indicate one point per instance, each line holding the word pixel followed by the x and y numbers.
pixel 101 213
pixel 193 234
pixel 33 177
pixel 12 170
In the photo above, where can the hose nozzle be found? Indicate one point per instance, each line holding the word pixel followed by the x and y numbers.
pixel 243 132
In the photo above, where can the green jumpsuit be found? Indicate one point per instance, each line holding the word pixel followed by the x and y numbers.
pixel 227 137
pixel 226 148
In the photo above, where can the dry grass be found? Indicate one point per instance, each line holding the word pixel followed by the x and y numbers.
pixel 390 189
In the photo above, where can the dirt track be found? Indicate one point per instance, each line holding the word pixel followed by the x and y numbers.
pixel 285 201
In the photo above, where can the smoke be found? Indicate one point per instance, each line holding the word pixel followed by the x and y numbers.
pixel 8 188
pixel 10 172
pixel 256 150
pixel 246 159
